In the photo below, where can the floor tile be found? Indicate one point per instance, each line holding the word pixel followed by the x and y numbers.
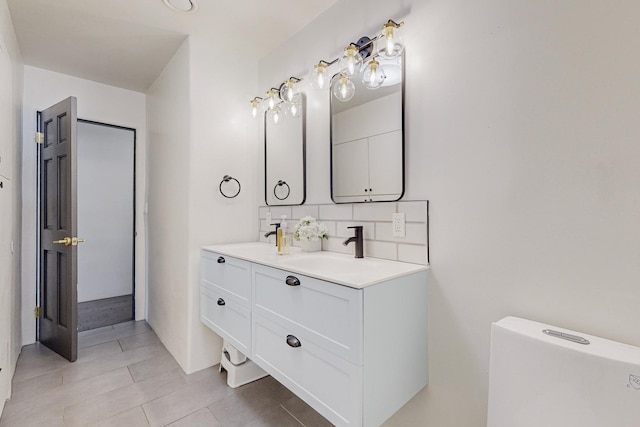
pixel 139 340
pixel 157 365
pixel 80 371
pixel 134 417
pixel 185 401
pixel 277 417
pixel 69 394
pixel 250 402
pixel 201 418
pixel 305 413
pixel 123 399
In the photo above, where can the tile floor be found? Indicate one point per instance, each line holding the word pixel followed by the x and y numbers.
pixel 125 377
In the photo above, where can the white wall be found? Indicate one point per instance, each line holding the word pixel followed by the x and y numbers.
pixel 197 134
pixel 168 115
pixel 11 75
pixel 522 130
pixel 105 211
pixel 223 142
pixel 96 102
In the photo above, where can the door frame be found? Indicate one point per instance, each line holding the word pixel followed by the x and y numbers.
pixel 133 203
pixel 135 213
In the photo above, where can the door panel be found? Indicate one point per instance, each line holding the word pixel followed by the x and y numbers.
pixel 58 261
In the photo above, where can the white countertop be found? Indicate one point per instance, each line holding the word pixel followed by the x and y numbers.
pixel 330 266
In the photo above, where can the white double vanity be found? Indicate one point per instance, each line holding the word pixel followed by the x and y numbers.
pixel 348 336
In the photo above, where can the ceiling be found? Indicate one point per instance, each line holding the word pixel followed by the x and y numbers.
pixel 127 43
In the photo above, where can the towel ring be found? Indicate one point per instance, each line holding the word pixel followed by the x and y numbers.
pixel 280 183
pixel 228 178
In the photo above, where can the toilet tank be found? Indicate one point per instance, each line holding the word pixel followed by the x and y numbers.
pixel 555 379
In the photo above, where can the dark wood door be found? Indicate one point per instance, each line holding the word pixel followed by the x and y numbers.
pixel 58 225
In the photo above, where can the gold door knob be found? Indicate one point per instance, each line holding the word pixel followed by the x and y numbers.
pixel 75 241
pixel 66 241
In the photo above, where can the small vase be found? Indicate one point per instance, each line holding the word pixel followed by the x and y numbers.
pixel 311 245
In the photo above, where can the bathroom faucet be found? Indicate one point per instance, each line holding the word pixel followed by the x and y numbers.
pixel 357 238
pixel 274 232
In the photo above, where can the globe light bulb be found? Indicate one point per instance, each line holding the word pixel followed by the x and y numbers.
pixel 391 42
pixel 351 61
pixel 343 88
pixel 255 103
pixel 271 99
pixel 373 75
pixel 295 107
pixel 318 75
pixel 287 90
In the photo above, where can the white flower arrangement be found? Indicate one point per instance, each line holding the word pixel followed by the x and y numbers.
pixel 309 229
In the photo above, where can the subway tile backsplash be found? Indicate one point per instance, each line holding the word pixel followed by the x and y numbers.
pixel 376 219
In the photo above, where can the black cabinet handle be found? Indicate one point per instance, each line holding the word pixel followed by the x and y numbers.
pixel 221 301
pixel 221 260
pixel 293 341
pixel 292 281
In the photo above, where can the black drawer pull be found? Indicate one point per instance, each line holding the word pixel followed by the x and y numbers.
pixel 292 281
pixel 221 260
pixel 221 301
pixel 293 341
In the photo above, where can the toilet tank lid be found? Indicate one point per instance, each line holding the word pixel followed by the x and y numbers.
pixel 599 347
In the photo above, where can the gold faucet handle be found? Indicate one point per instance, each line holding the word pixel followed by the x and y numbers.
pixel 66 241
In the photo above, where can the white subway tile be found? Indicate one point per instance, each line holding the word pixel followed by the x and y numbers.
pixel 368 229
pixel 414 211
pixel 416 254
pixel 298 212
pixel 385 250
pixel 331 228
pixel 344 212
pixel 334 244
pixel 278 211
pixel 416 233
pixel 373 211
pixel 262 212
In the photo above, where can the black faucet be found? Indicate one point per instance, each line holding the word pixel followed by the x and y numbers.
pixel 271 233
pixel 358 240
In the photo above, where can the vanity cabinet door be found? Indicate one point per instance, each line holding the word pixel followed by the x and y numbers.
pixel 331 313
pixel 229 274
pixel 330 384
pixel 226 317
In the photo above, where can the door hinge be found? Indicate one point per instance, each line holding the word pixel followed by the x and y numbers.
pixel 37 312
pixel 39 137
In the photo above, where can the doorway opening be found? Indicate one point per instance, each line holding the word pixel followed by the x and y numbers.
pixel 106 220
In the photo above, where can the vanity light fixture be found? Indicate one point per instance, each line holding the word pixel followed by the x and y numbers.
pixel 343 88
pixel 390 41
pixel 385 47
pixel 351 61
pixel 373 75
pixel 255 103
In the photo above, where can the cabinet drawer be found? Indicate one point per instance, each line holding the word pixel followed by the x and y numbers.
pixel 331 313
pixel 230 274
pixel 328 383
pixel 227 318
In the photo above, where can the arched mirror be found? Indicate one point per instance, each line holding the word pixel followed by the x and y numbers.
pixel 367 139
pixel 284 151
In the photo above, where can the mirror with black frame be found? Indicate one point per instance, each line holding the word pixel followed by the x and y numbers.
pixel 367 139
pixel 285 152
